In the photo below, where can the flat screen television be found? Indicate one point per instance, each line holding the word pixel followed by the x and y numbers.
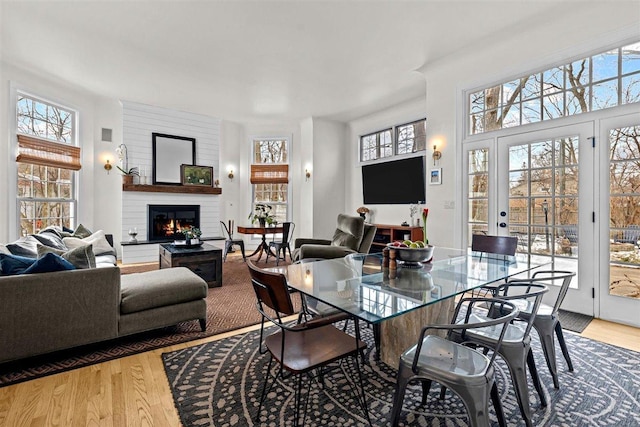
pixel 395 182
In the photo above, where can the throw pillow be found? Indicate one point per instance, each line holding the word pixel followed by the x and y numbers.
pixel 82 232
pixel 25 246
pixel 4 250
pixel 81 257
pixel 14 264
pixel 48 264
pixel 98 240
pixel 50 238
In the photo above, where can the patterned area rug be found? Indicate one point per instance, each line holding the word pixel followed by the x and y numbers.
pixel 229 307
pixel 219 384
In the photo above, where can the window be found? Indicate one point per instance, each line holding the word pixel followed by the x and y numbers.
pixel 412 137
pixel 376 145
pixel 593 83
pixel 46 161
pixel 409 138
pixel 270 175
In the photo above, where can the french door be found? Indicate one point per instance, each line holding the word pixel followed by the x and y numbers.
pixel 539 187
pixel 619 204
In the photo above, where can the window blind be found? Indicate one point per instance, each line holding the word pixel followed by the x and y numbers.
pixel 38 151
pixel 269 174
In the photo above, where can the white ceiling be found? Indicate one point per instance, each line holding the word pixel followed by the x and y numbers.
pixel 255 61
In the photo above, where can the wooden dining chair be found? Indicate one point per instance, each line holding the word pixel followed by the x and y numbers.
pixel 498 245
pixel 300 349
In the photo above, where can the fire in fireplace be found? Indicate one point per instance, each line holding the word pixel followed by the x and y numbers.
pixel 166 222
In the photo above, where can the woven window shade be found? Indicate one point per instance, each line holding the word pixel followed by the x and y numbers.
pixel 269 174
pixel 38 151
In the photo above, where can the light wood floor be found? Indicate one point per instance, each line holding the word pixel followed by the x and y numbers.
pixel 133 391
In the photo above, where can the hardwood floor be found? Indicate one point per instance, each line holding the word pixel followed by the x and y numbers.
pixel 133 391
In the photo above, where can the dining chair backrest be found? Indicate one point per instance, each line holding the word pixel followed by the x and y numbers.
pixel 228 234
pixel 552 276
pixel 527 297
pixel 501 245
pixel 287 231
pixel 271 290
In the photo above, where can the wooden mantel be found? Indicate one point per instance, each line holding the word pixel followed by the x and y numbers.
pixel 189 189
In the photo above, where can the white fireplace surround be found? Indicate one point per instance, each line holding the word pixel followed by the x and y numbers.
pixel 139 122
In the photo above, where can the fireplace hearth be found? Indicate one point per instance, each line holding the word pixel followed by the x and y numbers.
pixel 165 222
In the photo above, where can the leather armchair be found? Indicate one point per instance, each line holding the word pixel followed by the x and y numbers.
pixel 352 235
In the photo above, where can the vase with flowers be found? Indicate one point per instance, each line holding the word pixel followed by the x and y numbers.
pixel 263 214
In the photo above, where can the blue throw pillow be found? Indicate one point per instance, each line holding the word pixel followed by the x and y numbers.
pixel 14 264
pixel 48 263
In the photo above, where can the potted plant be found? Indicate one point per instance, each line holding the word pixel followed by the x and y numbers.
pixel 127 175
pixel 192 235
pixel 262 214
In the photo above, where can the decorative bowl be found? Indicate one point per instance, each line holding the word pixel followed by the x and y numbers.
pixel 413 257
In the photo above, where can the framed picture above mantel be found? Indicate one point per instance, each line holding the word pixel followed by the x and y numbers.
pixel 196 175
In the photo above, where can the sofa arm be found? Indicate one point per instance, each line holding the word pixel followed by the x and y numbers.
pixel 324 251
pixel 308 241
pixel 41 313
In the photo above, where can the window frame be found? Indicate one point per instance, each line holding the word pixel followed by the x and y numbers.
pixel 18 94
pixel 397 138
pixel 589 83
pixel 253 202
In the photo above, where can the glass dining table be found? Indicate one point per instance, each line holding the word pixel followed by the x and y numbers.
pixel 399 302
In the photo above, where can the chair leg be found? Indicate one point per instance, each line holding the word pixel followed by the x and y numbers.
pixel 203 324
pixel 404 375
pixel 443 391
pixel 563 346
pixel 516 362
pixel 476 400
pixel 263 395
pixel 531 363
pixel 545 332
pixel 244 258
pixel 497 405
pixel 426 386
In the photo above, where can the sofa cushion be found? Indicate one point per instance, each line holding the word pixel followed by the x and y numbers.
pixel 4 249
pixel 14 264
pixel 105 260
pixel 49 263
pixel 25 246
pixel 81 257
pixel 349 232
pixel 159 288
pixel 97 239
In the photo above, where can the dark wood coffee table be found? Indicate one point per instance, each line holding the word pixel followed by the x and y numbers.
pixel 205 261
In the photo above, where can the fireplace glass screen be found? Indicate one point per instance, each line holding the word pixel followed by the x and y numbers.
pixel 166 222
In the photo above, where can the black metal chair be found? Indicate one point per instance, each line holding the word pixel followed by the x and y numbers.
pixel 230 241
pixel 466 371
pixel 516 346
pixel 302 349
pixel 283 245
pixel 546 320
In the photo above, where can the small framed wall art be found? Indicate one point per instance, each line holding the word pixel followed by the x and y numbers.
pixel 435 178
pixel 196 175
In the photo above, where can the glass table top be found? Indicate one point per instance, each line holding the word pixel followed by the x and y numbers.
pixel 360 285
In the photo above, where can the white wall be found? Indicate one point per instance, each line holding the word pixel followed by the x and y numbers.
pixel 540 46
pixel 139 122
pixel 399 114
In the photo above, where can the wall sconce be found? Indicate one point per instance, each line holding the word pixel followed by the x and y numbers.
pixel 108 167
pixel 307 174
pixel 436 154
pixel 230 174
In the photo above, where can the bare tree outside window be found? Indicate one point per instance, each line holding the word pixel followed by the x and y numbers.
pixel 272 151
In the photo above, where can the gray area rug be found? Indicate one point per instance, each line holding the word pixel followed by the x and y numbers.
pixel 575 322
pixel 219 384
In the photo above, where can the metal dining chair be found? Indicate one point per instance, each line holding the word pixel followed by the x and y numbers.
pixel 547 322
pixel 230 241
pixel 284 244
pixel 466 371
pixel 516 345
pixel 302 349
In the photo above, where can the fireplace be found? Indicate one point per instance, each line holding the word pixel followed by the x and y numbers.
pixel 165 222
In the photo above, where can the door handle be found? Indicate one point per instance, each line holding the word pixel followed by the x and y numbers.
pixel 503 224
